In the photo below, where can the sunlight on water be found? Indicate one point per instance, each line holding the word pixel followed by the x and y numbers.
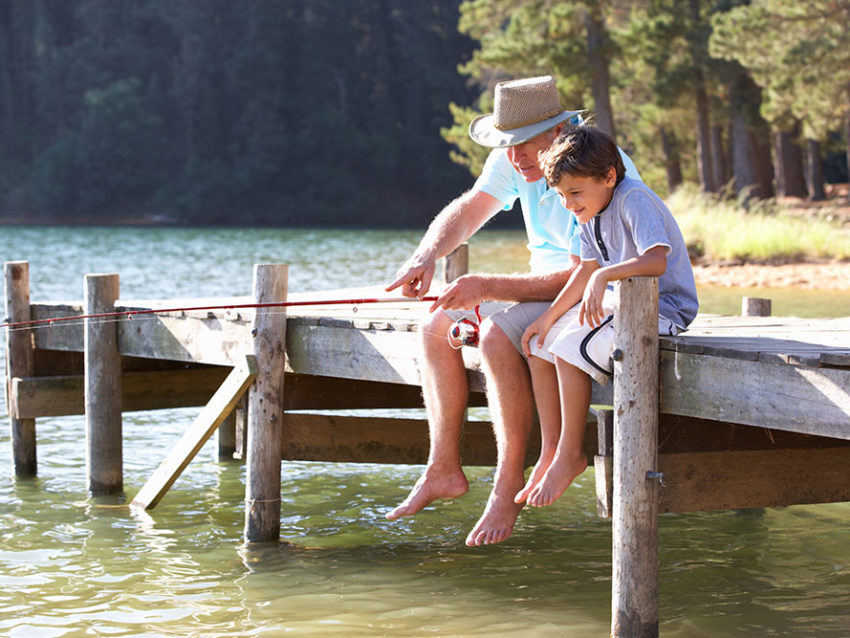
pixel 75 566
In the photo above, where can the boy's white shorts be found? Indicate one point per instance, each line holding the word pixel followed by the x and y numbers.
pixel 585 347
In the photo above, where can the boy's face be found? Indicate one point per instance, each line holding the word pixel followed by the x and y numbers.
pixel 523 157
pixel 586 196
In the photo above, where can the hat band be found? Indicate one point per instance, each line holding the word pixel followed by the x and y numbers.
pixel 537 118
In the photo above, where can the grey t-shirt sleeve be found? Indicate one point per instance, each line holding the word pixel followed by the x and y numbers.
pixel 645 219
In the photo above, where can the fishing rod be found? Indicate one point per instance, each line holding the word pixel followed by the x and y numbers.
pixel 129 314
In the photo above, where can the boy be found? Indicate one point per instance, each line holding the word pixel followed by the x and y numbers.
pixel 626 231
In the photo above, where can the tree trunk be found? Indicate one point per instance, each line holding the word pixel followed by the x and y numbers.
pixel 719 165
pixel 847 140
pixel 764 166
pixel 672 164
pixel 788 163
pixel 814 170
pixel 707 180
pixel 743 153
pixel 706 175
pixel 598 59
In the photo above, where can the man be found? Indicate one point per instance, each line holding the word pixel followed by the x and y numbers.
pixel 526 120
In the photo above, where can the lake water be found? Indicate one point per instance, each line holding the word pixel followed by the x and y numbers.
pixel 74 566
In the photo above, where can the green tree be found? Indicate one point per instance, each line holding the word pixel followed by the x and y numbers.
pixel 799 54
pixel 569 40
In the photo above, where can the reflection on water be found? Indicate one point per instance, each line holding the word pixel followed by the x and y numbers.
pixel 73 566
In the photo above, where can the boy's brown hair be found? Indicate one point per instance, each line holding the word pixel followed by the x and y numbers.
pixel 584 151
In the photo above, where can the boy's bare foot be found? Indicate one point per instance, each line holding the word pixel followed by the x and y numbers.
pixel 433 484
pixel 535 477
pixel 557 479
pixel 497 522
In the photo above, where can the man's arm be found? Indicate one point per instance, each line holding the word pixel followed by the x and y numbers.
pixel 456 223
pixel 469 290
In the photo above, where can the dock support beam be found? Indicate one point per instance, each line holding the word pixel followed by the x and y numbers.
pixel 634 602
pixel 265 407
pixel 456 263
pixel 19 363
pixel 104 462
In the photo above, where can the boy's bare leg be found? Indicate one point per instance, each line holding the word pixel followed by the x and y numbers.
pixel 570 459
pixel 511 408
pixel 544 381
pixel 446 392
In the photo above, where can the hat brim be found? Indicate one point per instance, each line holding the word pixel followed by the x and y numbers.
pixel 482 131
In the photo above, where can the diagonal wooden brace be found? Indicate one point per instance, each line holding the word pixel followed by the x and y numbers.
pixel 206 423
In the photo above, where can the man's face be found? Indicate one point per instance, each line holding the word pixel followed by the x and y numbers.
pixel 524 157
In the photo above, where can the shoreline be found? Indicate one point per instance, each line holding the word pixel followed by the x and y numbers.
pixel 807 275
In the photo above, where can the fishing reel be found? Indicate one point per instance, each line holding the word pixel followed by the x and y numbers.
pixel 465 331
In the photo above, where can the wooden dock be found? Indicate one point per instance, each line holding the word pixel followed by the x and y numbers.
pixel 748 412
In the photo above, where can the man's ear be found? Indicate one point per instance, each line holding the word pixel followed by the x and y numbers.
pixel 556 130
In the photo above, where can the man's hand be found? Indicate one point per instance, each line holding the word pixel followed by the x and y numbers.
pixel 414 277
pixel 463 293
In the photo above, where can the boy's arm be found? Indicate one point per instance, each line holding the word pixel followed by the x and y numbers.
pixel 569 296
pixel 652 263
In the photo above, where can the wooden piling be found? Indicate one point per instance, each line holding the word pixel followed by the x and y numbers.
pixel 19 363
pixel 755 307
pixel 104 462
pixel 226 437
pixel 456 263
pixel 265 407
pixel 634 602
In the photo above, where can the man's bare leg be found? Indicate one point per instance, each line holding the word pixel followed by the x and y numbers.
pixel 446 392
pixel 511 409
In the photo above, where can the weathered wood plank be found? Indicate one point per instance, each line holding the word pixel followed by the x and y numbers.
pixel 63 395
pixel 211 339
pixel 368 439
pixel 386 356
pixel 754 478
pixel 220 406
pixel 795 398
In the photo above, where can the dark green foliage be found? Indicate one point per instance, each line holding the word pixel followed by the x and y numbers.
pixel 294 112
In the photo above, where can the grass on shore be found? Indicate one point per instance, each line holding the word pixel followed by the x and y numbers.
pixel 721 229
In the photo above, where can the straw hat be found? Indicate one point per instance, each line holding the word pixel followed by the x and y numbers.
pixel 523 108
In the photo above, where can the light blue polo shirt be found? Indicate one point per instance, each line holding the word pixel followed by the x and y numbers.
pixel 552 230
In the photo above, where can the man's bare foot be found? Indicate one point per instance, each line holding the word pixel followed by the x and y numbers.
pixel 535 477
pixel 557 479
pixel 497 522
pixel 433 484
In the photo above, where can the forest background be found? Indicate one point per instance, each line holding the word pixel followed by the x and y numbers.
pixel 354 112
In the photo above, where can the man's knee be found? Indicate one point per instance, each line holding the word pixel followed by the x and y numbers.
pixel 433 333
pixel 495 344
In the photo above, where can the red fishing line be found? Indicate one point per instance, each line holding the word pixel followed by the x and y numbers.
pixel 280 304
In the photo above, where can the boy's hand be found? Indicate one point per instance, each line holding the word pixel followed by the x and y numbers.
pixel 591 302
pixel 539 327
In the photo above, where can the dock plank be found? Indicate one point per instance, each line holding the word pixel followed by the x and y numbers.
pixel 781 372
